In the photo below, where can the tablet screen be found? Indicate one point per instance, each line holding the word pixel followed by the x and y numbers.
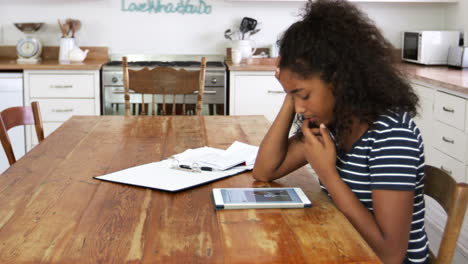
pixel 259 196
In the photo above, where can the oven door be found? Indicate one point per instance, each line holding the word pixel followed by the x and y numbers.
pixel 411 46
pixel 114 104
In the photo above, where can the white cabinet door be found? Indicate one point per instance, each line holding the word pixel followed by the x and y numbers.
pixel 451 166
pixel 61 94
pixel 451 141
pixel 62 85
pixel 60 110
pixel 255 93
pixel 450 109
pixel 425 118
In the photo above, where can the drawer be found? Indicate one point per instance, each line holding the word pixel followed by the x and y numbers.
pixel 450 109
pixel 48 129
pixel 59 110
pixel 455 168
pixel 451 141
pixel 61 85
pixel 423 92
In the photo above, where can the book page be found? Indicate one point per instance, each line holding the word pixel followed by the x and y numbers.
pixel 218 159
pixel 244 151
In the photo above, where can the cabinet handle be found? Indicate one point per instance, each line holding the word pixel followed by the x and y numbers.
pixel 58 86
pixel 205 92
pixel 275 92
pixel 449 172
pixel 121 91
pixel 62 110
pixel 448 109
pixel 451 141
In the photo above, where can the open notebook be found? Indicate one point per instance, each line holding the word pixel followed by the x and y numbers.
pixel 163 176
pixel 220 159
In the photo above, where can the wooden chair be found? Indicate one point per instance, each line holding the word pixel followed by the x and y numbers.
pixel 453 197
pixel 164 81
pixel 16 116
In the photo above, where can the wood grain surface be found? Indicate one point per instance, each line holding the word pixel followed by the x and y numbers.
pixel 53 211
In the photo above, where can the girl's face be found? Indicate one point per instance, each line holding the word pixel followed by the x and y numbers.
pixel 312 97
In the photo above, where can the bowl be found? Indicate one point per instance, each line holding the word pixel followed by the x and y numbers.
pixel 29 27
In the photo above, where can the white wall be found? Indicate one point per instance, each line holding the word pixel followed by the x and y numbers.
pixel 104 24
pixel 457 17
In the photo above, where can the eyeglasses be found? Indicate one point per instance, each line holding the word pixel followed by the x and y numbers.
pixel 194 167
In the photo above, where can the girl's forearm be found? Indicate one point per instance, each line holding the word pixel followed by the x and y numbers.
pixel 360 217
pixel 274 146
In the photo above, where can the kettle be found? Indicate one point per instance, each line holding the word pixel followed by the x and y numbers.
pixel 77 55
pixel 246 47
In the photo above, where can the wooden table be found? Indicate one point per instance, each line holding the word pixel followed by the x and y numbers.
pixel 53 211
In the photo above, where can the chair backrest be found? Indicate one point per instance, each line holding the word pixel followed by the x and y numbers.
pixel 164 81
pixel 453 197
pixel 16 116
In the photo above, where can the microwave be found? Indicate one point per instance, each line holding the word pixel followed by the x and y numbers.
pixel 428 47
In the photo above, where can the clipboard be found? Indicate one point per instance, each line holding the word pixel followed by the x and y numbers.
pixel 160 176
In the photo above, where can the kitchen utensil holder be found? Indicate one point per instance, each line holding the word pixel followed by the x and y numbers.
pixel 66 45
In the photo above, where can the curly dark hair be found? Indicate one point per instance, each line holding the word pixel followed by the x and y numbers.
pixel 341 45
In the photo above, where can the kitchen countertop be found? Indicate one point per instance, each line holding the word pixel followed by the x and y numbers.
pixel 97 56
pixel 10 64
pixel 255 64
pixel 450 78
pixel 447 77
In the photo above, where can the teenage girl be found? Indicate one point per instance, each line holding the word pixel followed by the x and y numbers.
pixel 355 127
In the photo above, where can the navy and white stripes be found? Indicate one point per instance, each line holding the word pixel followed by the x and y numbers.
pixel 390 156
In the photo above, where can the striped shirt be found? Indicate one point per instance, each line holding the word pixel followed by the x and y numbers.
pixel 390 156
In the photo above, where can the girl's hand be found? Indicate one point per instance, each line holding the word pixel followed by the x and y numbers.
pixel 320 149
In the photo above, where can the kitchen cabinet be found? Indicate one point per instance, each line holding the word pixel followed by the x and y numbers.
pixel 61 94
pixel 425 117
pixel 255 93
pixel 442 121
pixel 444 127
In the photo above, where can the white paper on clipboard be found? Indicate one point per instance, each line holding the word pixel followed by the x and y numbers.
pixel 160 175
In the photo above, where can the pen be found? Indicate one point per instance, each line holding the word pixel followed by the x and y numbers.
pixel 203 168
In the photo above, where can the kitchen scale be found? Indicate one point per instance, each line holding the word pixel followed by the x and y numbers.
pixel 29 48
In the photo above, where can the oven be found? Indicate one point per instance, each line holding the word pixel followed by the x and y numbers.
pixel 214 98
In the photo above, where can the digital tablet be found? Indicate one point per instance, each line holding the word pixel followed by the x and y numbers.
pixel 245 198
